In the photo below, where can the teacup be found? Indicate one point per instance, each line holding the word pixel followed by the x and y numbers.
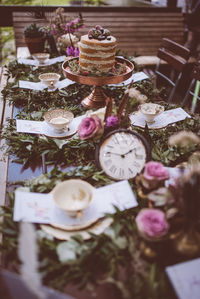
pixel 49 79
pixel 150 111
pixel 58 119
pixel 41 57
pixel 73 196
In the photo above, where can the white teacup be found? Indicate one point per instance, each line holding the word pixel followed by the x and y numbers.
pixel 49 79
pixel 58 119
pixel 73 196
pixel 41 57
pixel 150 111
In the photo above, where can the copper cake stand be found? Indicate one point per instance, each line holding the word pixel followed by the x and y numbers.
pixel 97 98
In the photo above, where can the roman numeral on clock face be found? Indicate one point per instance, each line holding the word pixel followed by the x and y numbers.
pixel 113 168
pixel 121 172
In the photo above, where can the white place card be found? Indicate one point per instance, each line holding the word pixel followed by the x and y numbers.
pixel 139 76
pixel 40 208
pixel 29 126
pixel 185 278
pixel 34 62
pixel 161 121
pixel 40 127
pixel 40 86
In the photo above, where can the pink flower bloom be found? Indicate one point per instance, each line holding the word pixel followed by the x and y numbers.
pixel 90 127
pixel 112 121
pixel 155 170
pixel 152 224
pixel 154 175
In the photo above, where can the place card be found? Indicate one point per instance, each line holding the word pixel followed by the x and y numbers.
pixel 185 278
pixel 139 76
pixel 40 86
pixel 35 62
pixel 40 208
pixel 40 127
pixel 164 119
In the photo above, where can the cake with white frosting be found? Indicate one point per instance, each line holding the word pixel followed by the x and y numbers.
pixel 97 50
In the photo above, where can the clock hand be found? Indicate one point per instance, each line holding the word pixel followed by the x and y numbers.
pixel 130 151
pixel 122 156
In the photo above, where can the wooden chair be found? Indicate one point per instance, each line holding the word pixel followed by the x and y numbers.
pixel 176 56
pixel 193 89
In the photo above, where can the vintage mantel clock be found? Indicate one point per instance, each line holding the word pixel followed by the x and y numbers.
pixel 122 154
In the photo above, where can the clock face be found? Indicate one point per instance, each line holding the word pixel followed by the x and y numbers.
pixel 123 154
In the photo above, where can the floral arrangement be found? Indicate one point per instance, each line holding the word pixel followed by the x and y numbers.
pixel 64 29
pixel 173 200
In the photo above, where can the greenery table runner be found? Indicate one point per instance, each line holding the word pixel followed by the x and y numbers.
pixel 118 255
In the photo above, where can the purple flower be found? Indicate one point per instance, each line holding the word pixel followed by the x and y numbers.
pixel 72 52
pixel 112 121
pixel 76 52
pixel 90 127
pixel 152 224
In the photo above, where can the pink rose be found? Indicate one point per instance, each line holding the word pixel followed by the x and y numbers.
pixel 152 224
pixel 154 175
pixel 90 127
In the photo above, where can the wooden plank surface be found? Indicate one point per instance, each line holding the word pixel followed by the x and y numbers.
pixel 135 31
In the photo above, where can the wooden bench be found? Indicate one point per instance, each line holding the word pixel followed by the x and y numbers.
pixel 138 31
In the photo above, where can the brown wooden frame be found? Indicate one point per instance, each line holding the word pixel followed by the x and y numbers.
pixel 177 57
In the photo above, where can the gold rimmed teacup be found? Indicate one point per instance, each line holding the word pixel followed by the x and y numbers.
pixel 150 111
pixel 49 79
pixel 58 119
pixel 73 196
pixel 42 58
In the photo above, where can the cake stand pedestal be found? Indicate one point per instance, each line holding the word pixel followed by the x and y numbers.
pixel 97 98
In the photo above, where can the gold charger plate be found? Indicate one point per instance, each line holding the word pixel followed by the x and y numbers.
pixel 97 229
pixel 75 227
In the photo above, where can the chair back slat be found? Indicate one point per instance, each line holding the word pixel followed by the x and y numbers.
pixel 175 61
pixel 176 48
pixel 177 57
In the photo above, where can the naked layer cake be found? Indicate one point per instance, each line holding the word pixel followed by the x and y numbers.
pixel 97 50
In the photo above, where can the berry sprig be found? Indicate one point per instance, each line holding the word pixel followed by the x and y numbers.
pixel 99 33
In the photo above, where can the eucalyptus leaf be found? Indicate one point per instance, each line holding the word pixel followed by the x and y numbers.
pixel 66 251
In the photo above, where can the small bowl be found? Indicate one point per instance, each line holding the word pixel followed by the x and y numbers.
pixel 150 111
pixel 58 119
pixel 49 79
pixel 41 57
pixel 73 196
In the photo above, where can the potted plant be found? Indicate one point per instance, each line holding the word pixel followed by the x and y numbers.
pixel 34 36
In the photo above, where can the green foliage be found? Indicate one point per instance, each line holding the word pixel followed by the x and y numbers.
pixel 33 30
pixel 115 256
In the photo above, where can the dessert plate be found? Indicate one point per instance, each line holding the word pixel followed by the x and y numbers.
pixel 49 132
pixel 97 229
pixel 75 227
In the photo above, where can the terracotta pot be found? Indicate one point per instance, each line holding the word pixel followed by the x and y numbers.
pixel 36 44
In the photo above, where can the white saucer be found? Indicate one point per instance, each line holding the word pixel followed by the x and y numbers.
pixel 47 131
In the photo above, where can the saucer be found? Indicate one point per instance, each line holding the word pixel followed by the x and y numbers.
pixel 97 229
pixel 49 132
